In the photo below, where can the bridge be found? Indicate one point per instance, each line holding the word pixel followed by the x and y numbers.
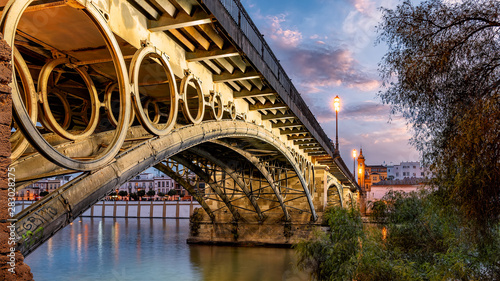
pixel 110 88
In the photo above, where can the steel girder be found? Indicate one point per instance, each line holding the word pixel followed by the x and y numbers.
pixel 233 174
pixel 259 165
pixel 214 185
pixel 191 189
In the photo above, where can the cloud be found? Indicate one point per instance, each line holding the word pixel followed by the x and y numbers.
pixel 320 67
pixel 363 6
pixel 285 38
pixel 314 63
pixel 367 111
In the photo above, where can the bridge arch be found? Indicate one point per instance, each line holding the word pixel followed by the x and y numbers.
pixel 58 209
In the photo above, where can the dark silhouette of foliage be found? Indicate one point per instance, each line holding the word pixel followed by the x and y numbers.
pixel 442 72
pixel 122 193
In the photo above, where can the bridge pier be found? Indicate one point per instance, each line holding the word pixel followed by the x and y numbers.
pixel 272 232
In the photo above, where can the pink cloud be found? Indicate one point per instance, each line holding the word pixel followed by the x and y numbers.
pixel 323 67
pixel 285 38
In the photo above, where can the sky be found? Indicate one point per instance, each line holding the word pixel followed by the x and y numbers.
pixel 327 48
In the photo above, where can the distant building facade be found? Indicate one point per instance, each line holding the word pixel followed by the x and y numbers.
pixel 149 181
pixel 376 180
pixel 369 174
pixel 407 170
pixel 33 191
pixel 160 183
pixel 372 174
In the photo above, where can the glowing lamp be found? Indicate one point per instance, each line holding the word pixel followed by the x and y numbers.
pixel 336 103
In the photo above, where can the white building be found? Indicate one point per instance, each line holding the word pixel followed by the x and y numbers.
pixel 157 182
pixel 407 170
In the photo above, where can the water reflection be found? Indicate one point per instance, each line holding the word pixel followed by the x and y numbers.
pixel 244 264
pixel 151 249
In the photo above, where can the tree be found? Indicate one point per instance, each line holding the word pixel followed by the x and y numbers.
pixel 334 255
pixel 122 193
pixel 43 193
pixel 141 193
pixel 134 196
pixel 442 72
pixel 172 192
pixel 151 192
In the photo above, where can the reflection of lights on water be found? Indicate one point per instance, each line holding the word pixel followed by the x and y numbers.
pixel 86 237
pixel 99 242
pixel 79 247
pixel 72 238
pixel 50 254
pixel 116 240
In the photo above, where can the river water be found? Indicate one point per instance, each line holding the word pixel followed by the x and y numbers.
pixel 152 249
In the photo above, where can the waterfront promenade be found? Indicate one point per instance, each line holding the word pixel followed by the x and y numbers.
pixel 134 209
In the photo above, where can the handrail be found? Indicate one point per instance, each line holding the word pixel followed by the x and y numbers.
pixel 238 13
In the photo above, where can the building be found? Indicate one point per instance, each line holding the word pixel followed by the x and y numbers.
pixel 148 181
pixel 407 170
pixel 376 180
pixel 33 191
pixel 369 174
pixel 160 183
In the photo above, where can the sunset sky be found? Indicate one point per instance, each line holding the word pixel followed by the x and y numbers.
pixel 327 47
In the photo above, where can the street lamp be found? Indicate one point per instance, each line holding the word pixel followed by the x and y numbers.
pixel 336 104
pixel 354 154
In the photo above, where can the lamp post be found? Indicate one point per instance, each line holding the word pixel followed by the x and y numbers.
pixel 354 154
pixel 336 104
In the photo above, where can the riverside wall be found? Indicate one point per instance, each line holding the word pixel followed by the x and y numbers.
pixel 135 209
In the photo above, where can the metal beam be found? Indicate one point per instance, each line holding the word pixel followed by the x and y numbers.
pixel 187 5
pixel 210 32
pixel 229 67
pixel 261 167
pixel 286 125
pixel 217 161
pixel 246 84
pixel 183 39
pixel 204 43
pixel 293 131
pixel 313 149
pixel 211 54
pixel 166 22
pixel 165 7
pixel 278 116
pixel 235 76
pixel 238 61
pixel 258 83
pixel 149 11
pixel 317 153
pixel 214 185
pixel 306 143
pixel 301 137
pixel 191 189
pixel 268 106
pixel 253 93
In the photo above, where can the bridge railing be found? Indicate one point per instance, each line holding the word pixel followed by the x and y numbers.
pixel 252 33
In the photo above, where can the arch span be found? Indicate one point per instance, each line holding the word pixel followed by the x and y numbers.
pixel 44 218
